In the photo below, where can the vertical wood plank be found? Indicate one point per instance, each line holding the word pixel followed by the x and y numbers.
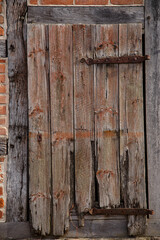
pixel 132 154
pixel 60 43
pixel 18 112
pixel 39 128
pixel 107 117
pixel 83 42
pixel 152 46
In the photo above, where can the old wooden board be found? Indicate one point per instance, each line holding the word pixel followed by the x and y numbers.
pixel 152 47
pixel 61 90
pixel 94 228
pixel 39 128
pixel 107 117
pixel 3 146
pixel 3 49
pixel 83 43
pixel 132 156
pixel 86 15
pixel 18 112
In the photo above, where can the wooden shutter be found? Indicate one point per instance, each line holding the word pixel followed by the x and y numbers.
pixel 86 124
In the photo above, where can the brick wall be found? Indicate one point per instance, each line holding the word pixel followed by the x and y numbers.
pixel 2 19
pixel 3 112
pixel 85 2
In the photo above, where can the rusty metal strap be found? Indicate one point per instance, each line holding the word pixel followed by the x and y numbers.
pixel 116 60
pixel 121 211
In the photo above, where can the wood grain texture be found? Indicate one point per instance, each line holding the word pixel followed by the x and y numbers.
pixel 107 117
pixel 18 112
pixel 152 46
pixel 3 49
pixel 101 228
pixel 132 155
pixel 61 88
pixel 86 15
pixel 83 37
pixel 3 146
pixel 39 128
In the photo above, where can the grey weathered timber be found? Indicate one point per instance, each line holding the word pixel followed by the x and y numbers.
pixel 86 15
pixel 107 117
pixel 97 227
pixel 153 228
pixel 3 146
pixel 39 128
pixel 132 155
pixel 3 49
pixel 152 47
pixel 83 46
pixel 61 93
pixel 18 112
pixel 18 230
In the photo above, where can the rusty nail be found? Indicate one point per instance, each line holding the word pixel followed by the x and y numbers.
pixel 39 137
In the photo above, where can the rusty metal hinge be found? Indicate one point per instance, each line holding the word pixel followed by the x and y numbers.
pixel 120 211
pixel 116 60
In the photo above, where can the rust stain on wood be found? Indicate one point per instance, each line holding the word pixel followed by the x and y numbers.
pixel 59 194
pixel 101 173
pixel 35 51
pixel 106 44
pixel 37 110
pixel 38 195
pixel 108 109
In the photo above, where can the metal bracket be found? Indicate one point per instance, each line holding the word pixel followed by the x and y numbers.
pixel 120 211
pixel 116 60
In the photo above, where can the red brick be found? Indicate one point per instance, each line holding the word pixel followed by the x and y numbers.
pixel 34 2
pixel 1 178
pixel 1 31
pixel 3 131
pixel 1 19
pixel 126 2
pixel 2 121
pixel 57 2
pixel 1 214
pixel 1 191
pixel 3 99
pixel 2 61
pixel 91 2
pixel 2 110
pixel 1 203
pixel 2 68
pixel 2 89
pixel 2 78
pixel 1 159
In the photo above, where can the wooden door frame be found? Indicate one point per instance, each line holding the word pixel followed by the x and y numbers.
pixel 17 188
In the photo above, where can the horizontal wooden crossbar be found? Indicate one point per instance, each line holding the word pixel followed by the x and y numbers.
pixel 121 211
pixel 85 15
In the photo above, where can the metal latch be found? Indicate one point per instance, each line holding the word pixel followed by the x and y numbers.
pixel 116 60
pixel 121 211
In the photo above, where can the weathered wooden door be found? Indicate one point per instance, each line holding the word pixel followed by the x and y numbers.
pixel 86 124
